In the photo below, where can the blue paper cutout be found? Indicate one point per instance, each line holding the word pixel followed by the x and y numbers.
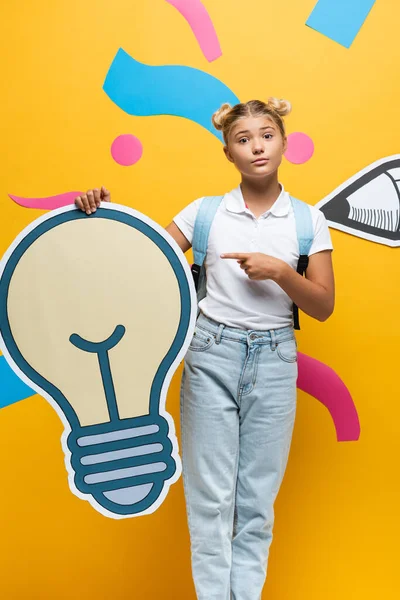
pixel 340 20
pixel 12 388
pixel 143 90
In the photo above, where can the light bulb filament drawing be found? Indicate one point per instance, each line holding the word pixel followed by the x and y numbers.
pixel 102 349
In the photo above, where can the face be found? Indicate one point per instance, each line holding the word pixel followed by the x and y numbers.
pixel 255 146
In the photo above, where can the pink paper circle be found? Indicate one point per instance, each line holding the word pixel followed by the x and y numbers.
pixel 300 148
pixel 126 150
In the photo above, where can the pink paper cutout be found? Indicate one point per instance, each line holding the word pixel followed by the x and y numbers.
pixel 200 22
pixel 49 203
pixel 300 148
pixel 126 150
pixel 321 382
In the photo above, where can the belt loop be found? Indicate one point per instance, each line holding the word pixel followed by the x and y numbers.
pixel 273 340
pixel 219 333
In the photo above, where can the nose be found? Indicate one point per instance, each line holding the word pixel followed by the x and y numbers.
pixel 258 147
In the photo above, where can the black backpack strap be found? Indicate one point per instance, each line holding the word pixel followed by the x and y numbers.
pixel 196 274
pixel 305 236
pixel 301 269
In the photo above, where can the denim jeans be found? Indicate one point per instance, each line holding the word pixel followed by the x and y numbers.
pixel 238 405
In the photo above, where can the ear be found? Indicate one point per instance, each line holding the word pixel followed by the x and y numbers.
pixel 284 145
pixel 228 154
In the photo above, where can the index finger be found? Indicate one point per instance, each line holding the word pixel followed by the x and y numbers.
pixel 236 255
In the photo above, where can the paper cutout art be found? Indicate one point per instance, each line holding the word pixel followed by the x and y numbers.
pixel 201 24
pixel 12 388
pixel 321 382
pixel 49 203
pixel 368 204
pixel 98 332
pixel 144 90
pixel 126 150
pixel 300 148
pixel 340 20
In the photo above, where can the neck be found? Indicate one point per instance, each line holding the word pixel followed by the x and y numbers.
pixel 260 195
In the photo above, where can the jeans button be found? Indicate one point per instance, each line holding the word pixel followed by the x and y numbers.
pixel 253 336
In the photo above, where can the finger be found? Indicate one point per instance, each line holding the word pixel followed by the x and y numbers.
pixel 97 199
pixel 237 255
pixel 86 205
pixel 78 203
pixel 92 203
pixel 105 194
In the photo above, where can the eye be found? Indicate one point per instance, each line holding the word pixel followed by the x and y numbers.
pixel 269 136
pixel 242 140
pixel 368 204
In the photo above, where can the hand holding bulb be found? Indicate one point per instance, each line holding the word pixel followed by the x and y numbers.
pixel 91 201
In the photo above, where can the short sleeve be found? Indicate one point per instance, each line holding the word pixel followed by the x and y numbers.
pixel 186 219
pixel 322 237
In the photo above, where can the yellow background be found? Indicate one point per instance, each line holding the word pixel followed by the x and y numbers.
pixel 337 525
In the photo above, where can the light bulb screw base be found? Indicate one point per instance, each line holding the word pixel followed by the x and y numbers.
pixel 123 464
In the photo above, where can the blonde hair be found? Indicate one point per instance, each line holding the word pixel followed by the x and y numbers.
pixel 226 116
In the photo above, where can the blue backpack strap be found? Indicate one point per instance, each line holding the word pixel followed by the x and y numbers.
pixel 305 237
pixel 202 226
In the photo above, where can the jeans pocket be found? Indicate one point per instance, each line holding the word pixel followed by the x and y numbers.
pixel 202 340
pixel 287 350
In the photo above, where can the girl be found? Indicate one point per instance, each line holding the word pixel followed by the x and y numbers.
pixel 238 395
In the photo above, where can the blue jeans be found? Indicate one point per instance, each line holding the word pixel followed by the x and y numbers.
pixel 238 405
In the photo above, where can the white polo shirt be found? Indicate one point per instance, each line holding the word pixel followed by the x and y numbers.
pixel 232 298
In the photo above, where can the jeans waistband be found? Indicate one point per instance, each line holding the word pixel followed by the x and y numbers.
pixel 254 336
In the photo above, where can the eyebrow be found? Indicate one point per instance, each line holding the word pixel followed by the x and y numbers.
pixel 261 129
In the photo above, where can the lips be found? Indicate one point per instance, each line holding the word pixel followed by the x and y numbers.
pixel 260 161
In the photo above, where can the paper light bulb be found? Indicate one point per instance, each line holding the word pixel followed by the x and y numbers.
pixel 95 314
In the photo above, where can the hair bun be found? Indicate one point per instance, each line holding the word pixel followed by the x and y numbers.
pixel 282 107
pixel 219 117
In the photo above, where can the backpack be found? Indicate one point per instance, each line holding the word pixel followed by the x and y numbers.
pixel 204 219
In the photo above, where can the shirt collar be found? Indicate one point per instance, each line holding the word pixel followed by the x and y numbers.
pixel 235 203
